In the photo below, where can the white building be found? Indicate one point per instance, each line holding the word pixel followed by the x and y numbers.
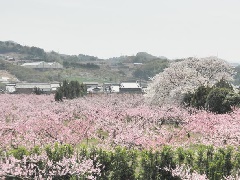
pixel 115 88
pixel 43 65
pixel 28 88
pixel 130 87
pixel 54 86
pixel 10 88
pixel 111 87
pixel 4 79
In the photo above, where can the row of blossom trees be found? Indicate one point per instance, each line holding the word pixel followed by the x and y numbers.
pixel 111 120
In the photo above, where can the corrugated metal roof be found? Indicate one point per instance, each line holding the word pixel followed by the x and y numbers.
pixel 55 85
pixel 42 64
pixel 90 82
pixel 32 64
pixel 115 88
pixel 33 85
pixel 129 85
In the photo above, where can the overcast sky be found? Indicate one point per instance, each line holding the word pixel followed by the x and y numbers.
pixel 110 28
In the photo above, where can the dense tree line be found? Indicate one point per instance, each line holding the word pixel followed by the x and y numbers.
pixel 8 47
pixel 143 57
pixel 35 53
pixel 140 57
pixel 83 57
pixel 70 90
pixel 68 64
pixel 150 69
pixel 219 98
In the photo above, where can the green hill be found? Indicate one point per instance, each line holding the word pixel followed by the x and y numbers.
pixel 78 67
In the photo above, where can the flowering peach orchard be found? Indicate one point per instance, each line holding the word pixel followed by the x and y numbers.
pixel 104 121
pixel 110 120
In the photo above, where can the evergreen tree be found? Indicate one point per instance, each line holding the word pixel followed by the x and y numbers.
pixel 70 90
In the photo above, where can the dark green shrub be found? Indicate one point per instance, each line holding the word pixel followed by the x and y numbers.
pixel 123 164
pixel 223 84
pixel 219 98
pixel 58 95
pixel 37 91
pixel 200 162
pixel 59 151
pixel 221 164
pixel 232 99
pixel 189 157
pixel 236 160
pixel 151 165
pixel 187 99
pixel 154 163
pixel 70 90
pixel 200 96
pixel 180 155
pixel 19 152
pixel 216 101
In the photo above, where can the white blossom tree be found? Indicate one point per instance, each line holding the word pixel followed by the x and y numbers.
pixel 185 76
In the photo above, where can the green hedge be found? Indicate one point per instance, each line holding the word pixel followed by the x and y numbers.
pixel 122 163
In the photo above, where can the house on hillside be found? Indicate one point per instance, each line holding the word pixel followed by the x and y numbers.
pixel 43 65
pixel 55 65
pixel 130 87
pixel 4 79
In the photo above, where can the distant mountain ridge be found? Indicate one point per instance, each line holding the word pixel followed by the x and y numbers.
pixel 82 67
pixel 140 57
pixel 37 54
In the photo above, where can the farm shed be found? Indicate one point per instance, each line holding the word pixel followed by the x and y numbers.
pixel 28 88
pixel 130 87
pixel 10 87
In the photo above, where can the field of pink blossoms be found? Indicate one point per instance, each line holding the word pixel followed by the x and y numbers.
pixel 110 120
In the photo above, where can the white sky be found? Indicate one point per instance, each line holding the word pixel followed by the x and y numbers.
pixel 110 28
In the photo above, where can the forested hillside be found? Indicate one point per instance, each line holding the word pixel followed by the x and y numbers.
pixel 141 66
pixel 78 67
pixel 30 75
pixel 36 53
